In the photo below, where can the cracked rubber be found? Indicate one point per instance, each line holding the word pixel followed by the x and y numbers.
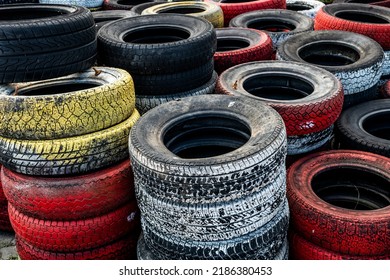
pixel 309 8
pixel 237 45
pixel 234 8
pixel 70 198
pixel 365 127
pixel 68 156
pixel 287 23
pixel 207 10
pixel 77 104
pixel 379 30
pixel 123 249
pixel 312 113
pixel 341 229
pixel 77 235
pixel 32 47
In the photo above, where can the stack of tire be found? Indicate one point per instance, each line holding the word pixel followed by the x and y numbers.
pixel 210 180
pixel 340 206
pixel 308 98
pixel 54 132
pixel 90 4
pixel 169 56
pixel 5 224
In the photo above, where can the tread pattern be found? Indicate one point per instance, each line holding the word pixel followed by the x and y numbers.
pixel 309 142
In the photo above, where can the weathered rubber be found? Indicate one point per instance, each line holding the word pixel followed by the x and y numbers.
pixel 302 144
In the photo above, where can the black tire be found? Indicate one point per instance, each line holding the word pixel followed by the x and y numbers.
pixel 2 2
pixel 384 3
pixel 138 9
pixel 39 41
pixel 103 17
pixel 354 59
pixel 182 43
pixel 90 4
pixel 279 24
pixel 143 251
pixel 122 4
pixel 365 127
pixel 306 7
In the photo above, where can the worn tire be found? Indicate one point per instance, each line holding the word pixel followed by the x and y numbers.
pixel 237 45
pixel 207 10
pixel 78 235
pixel 301 144
pixel 68 156
pixel 365 127
pixel 138 9
pixel 70 198
pixel 103 17
pixel 234 8
pixel 17 1
pixel 32 47
pixel 322 93
pixel 356 60
pixel 368 20
pixel 84 3
pixel 191 45
pixel 69 106
pixel 279 24
pixel 323 190
pixel 309 8
pixel 123 249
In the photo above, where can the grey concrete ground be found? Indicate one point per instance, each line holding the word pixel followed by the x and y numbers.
pixel 7 246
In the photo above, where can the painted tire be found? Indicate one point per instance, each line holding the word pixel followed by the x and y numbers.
pixel 324 189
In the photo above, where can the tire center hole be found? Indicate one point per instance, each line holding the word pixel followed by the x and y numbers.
pixel 298 7
pixel 278 87
pixel 56 88
pixel 182 10
pixel 227 44
pixel 25 14
pixel 352 188
pixel 361 17
pixel 156 35
pixel 206 135
pixel 328 54
pixel 378 125
pixel 276 25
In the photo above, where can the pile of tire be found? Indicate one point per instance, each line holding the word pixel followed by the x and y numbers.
pixel 308 98
pixel 340 206
pixel 90 4
pixel 5 224
pixel 169 56
pixel 356 60
pixel 210 180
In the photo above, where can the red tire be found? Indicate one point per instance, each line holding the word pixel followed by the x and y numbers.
pixel 5 224
pixel 239 45
pixel 80 235
pixel 70 198
pixel 123 249
pixel 339 200
pixel 356 18
pixel 232 8
pixel 385 91
pixel 301 249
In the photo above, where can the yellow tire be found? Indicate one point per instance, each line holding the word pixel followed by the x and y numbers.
pixel 74 155
pixel 207 10
pixel 68 106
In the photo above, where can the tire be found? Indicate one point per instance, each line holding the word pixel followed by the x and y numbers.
pixel 383 3
pixel 301 144
pixel 195 46
pixel 143 251
pixel 138 9
pixel 302 249
pixel 263 244
pixel 145 103
pixel 79 235
pixel 69 106
pixel 84 3
pixel 322 93
pixel 221 176
pixel 279 24
pixel 70 198
pixel 3 199
pixel 356 60
pixel 123 249
pixel 103 17
pixel 121 4
pixel 233 8
pixel 38 53
pixel 306 7
pixel 207 10
pixel 365 127
pixel 321 189
pixel 17 1
pixel 68 156
pixel 237 45
pixel 386 64
pixel 386 90
pixel 368 20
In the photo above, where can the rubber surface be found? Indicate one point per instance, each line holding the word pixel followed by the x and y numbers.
pixel 5 224
pixel 313 112
pixel 237 45
pixel 309 8
pixel 84 3
pixel 383 3
pixel 336 228
pixel 103 17
pixel 79 235
pixel 121 4
pixel 302 144
pixel 386 89
pixel 138 9
pixel 68 156
pixel 70 198
pixel 57 108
